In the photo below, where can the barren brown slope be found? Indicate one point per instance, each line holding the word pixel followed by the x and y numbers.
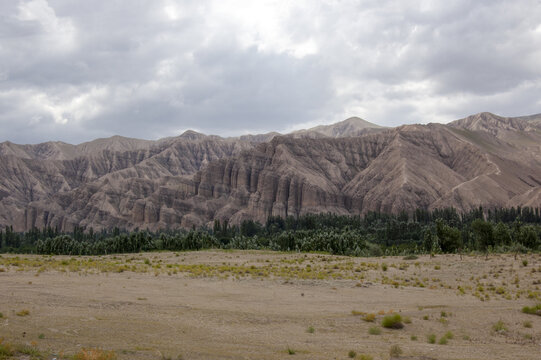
pixel 410 167
pixel 192 179
pixel 41 192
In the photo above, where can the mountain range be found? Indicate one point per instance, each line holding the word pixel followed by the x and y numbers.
pixel 350 167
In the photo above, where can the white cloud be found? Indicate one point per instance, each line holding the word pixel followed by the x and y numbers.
pixel 59 34
pixel 149 68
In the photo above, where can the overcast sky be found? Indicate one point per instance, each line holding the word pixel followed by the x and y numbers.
pixel 78 70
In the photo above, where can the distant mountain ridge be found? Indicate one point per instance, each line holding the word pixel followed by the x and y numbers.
pixel 350 167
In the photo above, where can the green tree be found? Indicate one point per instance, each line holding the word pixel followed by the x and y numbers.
pixel 448 237
pixel 483 233
pixel 502 236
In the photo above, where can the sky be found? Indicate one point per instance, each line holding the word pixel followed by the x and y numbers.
pixel 79 70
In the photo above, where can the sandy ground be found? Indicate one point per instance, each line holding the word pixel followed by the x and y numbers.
pixel 257 305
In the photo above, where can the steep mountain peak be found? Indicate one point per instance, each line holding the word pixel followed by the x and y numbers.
pixel 259 137
pixel 192 135
pixel 492 123
pixel 113 143
pixel 352 126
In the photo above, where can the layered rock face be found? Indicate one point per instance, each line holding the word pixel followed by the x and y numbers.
pixel 193 179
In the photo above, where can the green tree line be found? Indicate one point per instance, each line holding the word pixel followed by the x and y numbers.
pixel 374 234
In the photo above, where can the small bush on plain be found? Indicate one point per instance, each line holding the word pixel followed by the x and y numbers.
pixel 532 310
pixel 392 322
pixel 369 317
pixel 499 327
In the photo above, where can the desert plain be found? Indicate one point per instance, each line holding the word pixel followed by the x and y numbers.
pixel 269 305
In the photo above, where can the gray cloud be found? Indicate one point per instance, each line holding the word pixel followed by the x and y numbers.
pixel 74 71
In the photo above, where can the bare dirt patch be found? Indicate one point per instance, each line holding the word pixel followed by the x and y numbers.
pixel 268 305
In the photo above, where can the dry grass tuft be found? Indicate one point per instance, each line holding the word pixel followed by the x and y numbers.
pixel 95 354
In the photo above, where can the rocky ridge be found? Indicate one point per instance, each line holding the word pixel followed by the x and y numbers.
pixel 349 168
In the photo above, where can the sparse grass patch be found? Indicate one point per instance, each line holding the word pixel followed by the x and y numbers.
pixel 369 317
pixel 532 310
pixel 95 354
pixel 41 336
pixel 443 341
pixel 374 330
pixel 431 338
pixel 30 351
pixel 310 330
pixel 411 257
pixel 366 357
pixel 413 338
pixel 352 354
pixel 395 351
pixel 290 351
pixel 527 324
pixel 23 312
pixel 392 322
pixel 525 263
pixel 407 320
pixel 5 349
pixel 499 327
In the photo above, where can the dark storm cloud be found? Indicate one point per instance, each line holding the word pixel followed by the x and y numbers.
pixel 76 70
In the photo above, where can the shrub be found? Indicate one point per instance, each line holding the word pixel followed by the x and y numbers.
pixel 365 357
pixel 5 350
pixel 369 317
pixel 533 310
pixel 94 354
pixel 310 330
pixel 395 351
pixel 499 327
pixel 413 338
pixel 407 320
pixel 524 263
pixel 374 330
pixel 431 339
pixel 392 322
pixel 41 336
pixel 352 354
pixel 443 341
pixel 449 335
pixel 1 315
pixel 384 267
pixel 23 312
pixel 290 351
